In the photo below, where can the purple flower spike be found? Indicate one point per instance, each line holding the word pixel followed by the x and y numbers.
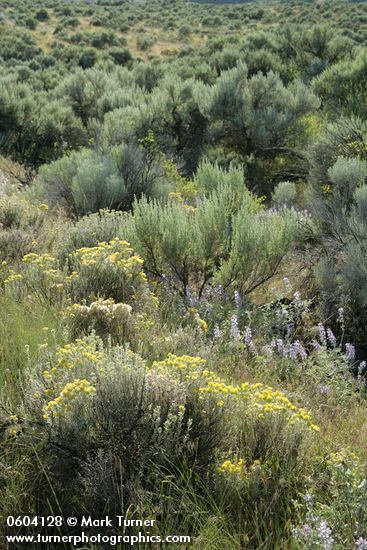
pixel 326 539
pixel 238 298
pixel 248 339
pixel 191 299
pixel 316 345
pixel 299 349
pixel 350 352
pixel 235 332
pixel 361 544
pixel 331 337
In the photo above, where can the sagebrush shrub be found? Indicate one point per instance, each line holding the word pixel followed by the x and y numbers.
pixel 285 193
pixel 141 421
pixel 104 404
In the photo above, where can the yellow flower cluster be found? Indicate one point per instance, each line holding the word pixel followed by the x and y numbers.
pixel 43 260
pixel 144 322
pixel 233 468
pixel 359 148
pixel 189 367
pixel 47 266
pixel 13 276
pixel 189 209
pixel 63 403
pixel 14 209
pixel 255 466
pixel 176 197
pixel 347 464
pixel 185 188
pixel 179 199
pixel 261 400
pixel 344 457
pixel 116 252
pixel 200 323
pixel 239 468
pixel 81 353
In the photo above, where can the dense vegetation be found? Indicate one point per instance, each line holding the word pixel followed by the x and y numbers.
pixel 183 268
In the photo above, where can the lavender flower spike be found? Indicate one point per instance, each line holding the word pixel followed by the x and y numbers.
pixel 235 332
pixel 308 498
pixel 316 345
pixel 361 544
pixel 350 352
pixel 191 299
pixel 299 349
pixel 331 337
pixel 327 541
pixel 238 298
pixel 217 333
pixel 281 347
pixel 297 299
pixel 248 339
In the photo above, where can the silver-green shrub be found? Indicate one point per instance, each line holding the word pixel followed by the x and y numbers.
pixel 285 194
